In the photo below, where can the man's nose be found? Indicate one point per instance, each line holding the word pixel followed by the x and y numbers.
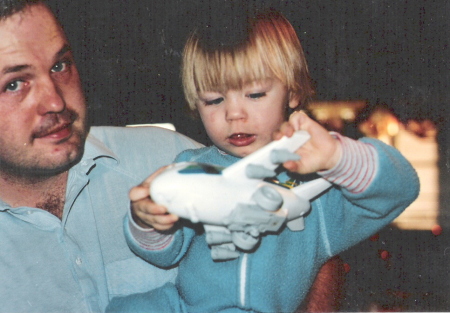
pixel 50 98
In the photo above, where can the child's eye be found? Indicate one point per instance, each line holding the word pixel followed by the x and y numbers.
pixel 214 101
pixel 256 95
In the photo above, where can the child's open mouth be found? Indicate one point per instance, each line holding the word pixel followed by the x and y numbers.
pixel 241 139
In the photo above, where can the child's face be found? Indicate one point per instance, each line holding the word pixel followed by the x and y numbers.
pixel 241 121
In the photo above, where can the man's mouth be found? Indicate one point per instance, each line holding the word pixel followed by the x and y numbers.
pixel 57 126
pixel 241 139
pixel 54 131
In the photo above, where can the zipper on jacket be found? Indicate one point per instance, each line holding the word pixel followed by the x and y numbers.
pixel 243 279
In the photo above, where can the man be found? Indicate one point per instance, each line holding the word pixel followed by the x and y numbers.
pixel 63 188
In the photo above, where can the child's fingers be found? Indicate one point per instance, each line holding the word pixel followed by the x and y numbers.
pixel 286 129
pixel 159 221
pixel 147 206
pixel 291 166
pixel 139 192
pixel 142 190
pixel 164 222
pixel 299 120
pixel 149 179
pixel 147 213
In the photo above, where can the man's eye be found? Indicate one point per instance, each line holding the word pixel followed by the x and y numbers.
pixel 256 95
pixel 14 85
pixel 214 101
pixel 60 66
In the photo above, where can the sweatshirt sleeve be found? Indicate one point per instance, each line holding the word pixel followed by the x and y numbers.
pixel 374 184
pixel 163 249
pixel 357 166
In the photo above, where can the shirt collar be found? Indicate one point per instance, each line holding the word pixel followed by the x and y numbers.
pixel 94 149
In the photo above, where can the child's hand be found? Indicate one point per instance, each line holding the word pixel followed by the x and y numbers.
pixel 147 213
pixel 321 152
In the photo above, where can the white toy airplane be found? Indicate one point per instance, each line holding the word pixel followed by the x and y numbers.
pixel 235 204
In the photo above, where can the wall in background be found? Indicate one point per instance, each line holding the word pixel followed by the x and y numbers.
pixel 393 52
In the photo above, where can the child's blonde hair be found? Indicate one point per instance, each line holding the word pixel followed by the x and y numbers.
pixel 266 46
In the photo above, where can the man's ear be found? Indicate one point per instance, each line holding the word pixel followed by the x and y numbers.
pixel 294 100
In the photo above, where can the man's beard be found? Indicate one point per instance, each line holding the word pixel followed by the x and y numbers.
pixel 32 170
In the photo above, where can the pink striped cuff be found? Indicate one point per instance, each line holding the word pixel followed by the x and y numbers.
pixel 149 238
pixel 357 167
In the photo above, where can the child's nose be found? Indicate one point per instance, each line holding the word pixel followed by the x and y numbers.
pixel 235 111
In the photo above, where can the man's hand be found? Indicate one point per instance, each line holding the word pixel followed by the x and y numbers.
pixel 321 152
pixel 147 213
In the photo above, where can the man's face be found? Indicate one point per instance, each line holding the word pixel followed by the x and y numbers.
pixel 42 106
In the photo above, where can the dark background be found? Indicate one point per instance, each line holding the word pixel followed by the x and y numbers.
pixel 393 53
pixel 388 52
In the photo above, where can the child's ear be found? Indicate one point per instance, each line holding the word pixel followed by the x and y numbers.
pixel 294 100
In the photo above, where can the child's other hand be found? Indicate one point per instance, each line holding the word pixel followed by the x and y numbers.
pixel 321 152
pixel 147 213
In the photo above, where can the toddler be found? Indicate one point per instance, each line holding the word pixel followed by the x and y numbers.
pixel 244 87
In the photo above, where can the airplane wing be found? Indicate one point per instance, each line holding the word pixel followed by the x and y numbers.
pixel 262 163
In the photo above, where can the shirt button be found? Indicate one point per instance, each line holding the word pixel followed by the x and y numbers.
pixel 78 261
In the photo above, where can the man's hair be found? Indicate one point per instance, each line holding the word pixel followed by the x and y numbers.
pixel 9 7
pixel 225 54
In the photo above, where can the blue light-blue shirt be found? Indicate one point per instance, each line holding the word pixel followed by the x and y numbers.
pixel 79 263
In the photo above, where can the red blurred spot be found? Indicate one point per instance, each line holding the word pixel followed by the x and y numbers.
pixel 384 255
pixel 347 267
pixel 436 230
pixel 375 237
